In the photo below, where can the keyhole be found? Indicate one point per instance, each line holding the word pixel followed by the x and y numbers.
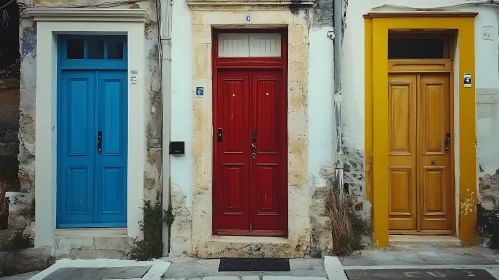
pixel 432 162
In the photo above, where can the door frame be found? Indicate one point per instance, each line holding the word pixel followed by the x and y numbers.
pixel 377 26
pixel 89 65
pixel 250 63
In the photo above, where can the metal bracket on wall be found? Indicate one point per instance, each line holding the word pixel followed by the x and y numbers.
pixel 330 34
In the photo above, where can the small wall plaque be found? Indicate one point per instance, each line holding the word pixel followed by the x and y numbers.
pixel 200 92
pixel 467 80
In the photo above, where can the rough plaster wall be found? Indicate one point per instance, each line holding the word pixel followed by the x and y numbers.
pixel 182 226
pixel 9 128
pixel 22 202
pixel 27 105
pixel 489 191
pixel 152 176
pixel 489 207
pixel 322 13
pixel 354 176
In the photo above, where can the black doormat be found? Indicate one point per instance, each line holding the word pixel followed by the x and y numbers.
pixel 253 264
pixel 419 274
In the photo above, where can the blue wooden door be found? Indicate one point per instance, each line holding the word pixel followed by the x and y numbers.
pixel 92 144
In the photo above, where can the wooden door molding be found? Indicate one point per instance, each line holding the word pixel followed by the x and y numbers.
pixel 265 222
pixel 435 154
pixel 402 193
pixel 377 116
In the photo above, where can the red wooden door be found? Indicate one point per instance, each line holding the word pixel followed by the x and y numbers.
pixel 250 153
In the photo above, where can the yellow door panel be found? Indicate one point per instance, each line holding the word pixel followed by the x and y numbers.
pixel 434 152
pixel 402 151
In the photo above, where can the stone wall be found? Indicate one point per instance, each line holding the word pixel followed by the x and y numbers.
pixel 488 210
pixel 9 127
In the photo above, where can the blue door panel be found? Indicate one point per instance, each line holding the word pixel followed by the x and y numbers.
pixel 111 167
pixel 92 101
pixel 112 85
pixel 76 157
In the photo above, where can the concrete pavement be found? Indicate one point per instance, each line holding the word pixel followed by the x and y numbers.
pixel 400 262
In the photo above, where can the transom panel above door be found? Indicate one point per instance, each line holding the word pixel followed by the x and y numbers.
pixel 92 132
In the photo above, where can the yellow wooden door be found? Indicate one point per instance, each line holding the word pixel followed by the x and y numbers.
pixel 420 196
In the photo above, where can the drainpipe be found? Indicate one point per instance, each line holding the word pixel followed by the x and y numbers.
pixel 166 43
pixel 338 40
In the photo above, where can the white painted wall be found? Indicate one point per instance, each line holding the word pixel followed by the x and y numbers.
pixel 181 99
pixel 486 80
pixel 322 133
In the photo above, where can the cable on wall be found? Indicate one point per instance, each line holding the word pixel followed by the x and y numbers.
pixel 4 15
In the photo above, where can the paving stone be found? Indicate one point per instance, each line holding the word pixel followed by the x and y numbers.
pixel 126 272
pixel 290 277
pixel 70 273
pixel 87 273
pixel 306 264
pixel 421 274
pixel 429 254
pixel 25 276
pixel 378 255
pixel 221 278
pixel 421 255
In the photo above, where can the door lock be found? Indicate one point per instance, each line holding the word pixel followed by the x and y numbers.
pixel 99 142
pixel 447 142
pixel 219 134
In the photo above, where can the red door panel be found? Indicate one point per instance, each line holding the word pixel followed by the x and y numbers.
pixel 267 142
pixel 232 165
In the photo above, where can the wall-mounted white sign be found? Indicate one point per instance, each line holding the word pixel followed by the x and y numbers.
pixel 487 33
pixel 133 76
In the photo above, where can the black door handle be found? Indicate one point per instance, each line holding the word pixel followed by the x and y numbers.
pixel 219 135
pixel 99 142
